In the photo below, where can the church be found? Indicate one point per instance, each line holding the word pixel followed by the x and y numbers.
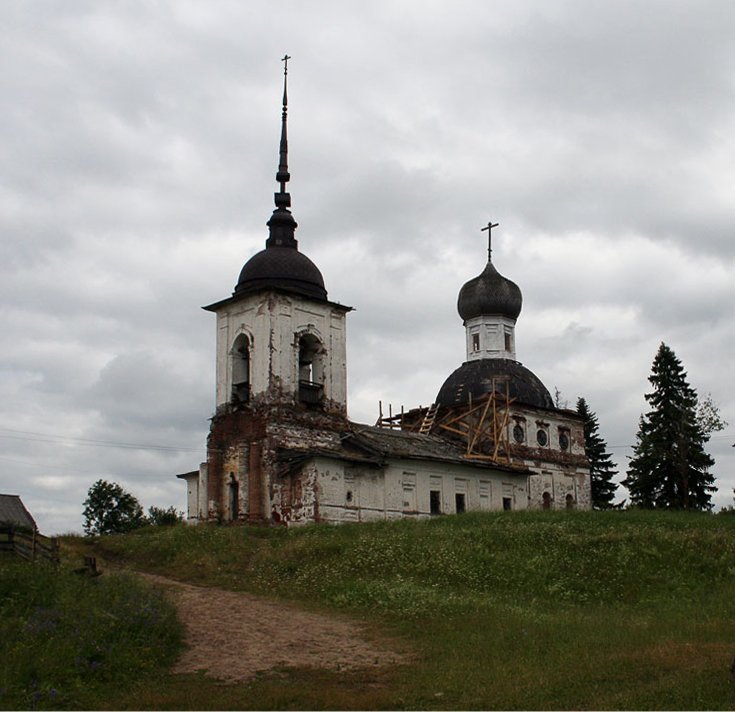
pixel 282 450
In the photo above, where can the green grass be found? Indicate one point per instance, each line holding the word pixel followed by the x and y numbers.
pixel 503 610
pixel 70 641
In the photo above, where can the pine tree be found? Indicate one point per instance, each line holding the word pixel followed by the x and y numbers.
pixel 602 469
pixel 669 467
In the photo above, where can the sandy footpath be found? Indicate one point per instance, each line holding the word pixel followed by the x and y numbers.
pixel 233 636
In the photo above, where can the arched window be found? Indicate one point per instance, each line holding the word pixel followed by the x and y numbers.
pixel 311 369
pixel 570 501
pixel 546 500
pixel 241 369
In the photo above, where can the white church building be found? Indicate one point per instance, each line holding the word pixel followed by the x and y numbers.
pixel 281 448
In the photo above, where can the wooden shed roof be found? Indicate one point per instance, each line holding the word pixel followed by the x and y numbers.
pixel 13 511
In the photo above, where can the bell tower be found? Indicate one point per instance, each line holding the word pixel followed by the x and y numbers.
pixel 281 367
pixel 279 339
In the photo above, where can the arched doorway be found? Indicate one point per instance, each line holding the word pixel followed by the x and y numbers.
pixel 234 488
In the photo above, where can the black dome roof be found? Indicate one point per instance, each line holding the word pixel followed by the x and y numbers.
pixel 475 378
pixel 283 268
pixel 489 294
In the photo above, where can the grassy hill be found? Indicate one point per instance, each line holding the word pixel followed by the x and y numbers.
pixel 73 642
pixel 579 610
pixel 505 610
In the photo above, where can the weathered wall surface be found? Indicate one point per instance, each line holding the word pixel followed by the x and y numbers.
pixel 553 448
pixel 273 324
pixel 331 490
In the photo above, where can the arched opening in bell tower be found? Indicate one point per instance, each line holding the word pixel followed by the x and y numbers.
pixel 241 369
pixel 311 369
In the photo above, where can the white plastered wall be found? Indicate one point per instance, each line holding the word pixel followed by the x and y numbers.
pixel 273 323
pixel 486 337
pixel 345 492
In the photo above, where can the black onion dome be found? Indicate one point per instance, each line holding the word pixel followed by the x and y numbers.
pixel 282 268
pixel 489 294
pixel 475 378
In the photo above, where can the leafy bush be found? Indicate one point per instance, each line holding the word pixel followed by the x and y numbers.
pixel 159 517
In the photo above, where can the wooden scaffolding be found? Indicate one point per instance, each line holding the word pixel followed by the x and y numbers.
pixel 483 425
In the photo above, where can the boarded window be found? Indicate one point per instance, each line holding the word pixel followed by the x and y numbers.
pixel 409 492
pixel 484 490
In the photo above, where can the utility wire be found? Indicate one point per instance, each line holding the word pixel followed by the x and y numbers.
pixel 30 436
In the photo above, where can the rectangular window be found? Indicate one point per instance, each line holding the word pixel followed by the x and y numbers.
pixel 508 342
pixel 435 501
pixel 459 501
pixel 507 504
pixel 475 342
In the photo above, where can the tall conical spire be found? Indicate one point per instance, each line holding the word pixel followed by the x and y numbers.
pixel 282 224
pixel 283 175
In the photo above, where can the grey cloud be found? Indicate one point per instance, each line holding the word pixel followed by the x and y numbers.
pixel 139 156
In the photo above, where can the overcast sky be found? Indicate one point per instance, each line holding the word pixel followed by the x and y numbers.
pixel 138 150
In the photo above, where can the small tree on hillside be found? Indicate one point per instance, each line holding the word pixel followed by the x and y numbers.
pixel 669 467
pixel 602 469
pixel 109 509
pixel 160 517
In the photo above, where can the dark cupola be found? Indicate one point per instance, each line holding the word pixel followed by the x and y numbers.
pixel 489 294
pixel 280 264
pixel 489 305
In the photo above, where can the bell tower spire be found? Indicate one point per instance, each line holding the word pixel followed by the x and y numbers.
pixel 283 175
pixel 282 224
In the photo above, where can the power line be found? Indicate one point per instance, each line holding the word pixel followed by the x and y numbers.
pixel 30 436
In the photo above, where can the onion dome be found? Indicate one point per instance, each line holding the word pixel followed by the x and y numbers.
pixel 284 268
pixel 280 264
pixel 474 379
pixel 489 294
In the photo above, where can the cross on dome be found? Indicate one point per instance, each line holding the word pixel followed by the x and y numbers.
pixel 489 227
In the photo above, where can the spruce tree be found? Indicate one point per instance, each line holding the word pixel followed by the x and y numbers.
pixel 602 469
pixel 669 467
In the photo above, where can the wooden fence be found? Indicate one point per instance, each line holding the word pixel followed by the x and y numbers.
pixel 29 545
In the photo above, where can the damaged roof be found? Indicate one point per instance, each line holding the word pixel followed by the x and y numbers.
pixel 373 446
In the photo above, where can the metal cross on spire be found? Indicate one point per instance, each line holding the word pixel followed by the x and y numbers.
pixel 489 227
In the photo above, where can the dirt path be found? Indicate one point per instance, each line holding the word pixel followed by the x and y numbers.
pixel 233 636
